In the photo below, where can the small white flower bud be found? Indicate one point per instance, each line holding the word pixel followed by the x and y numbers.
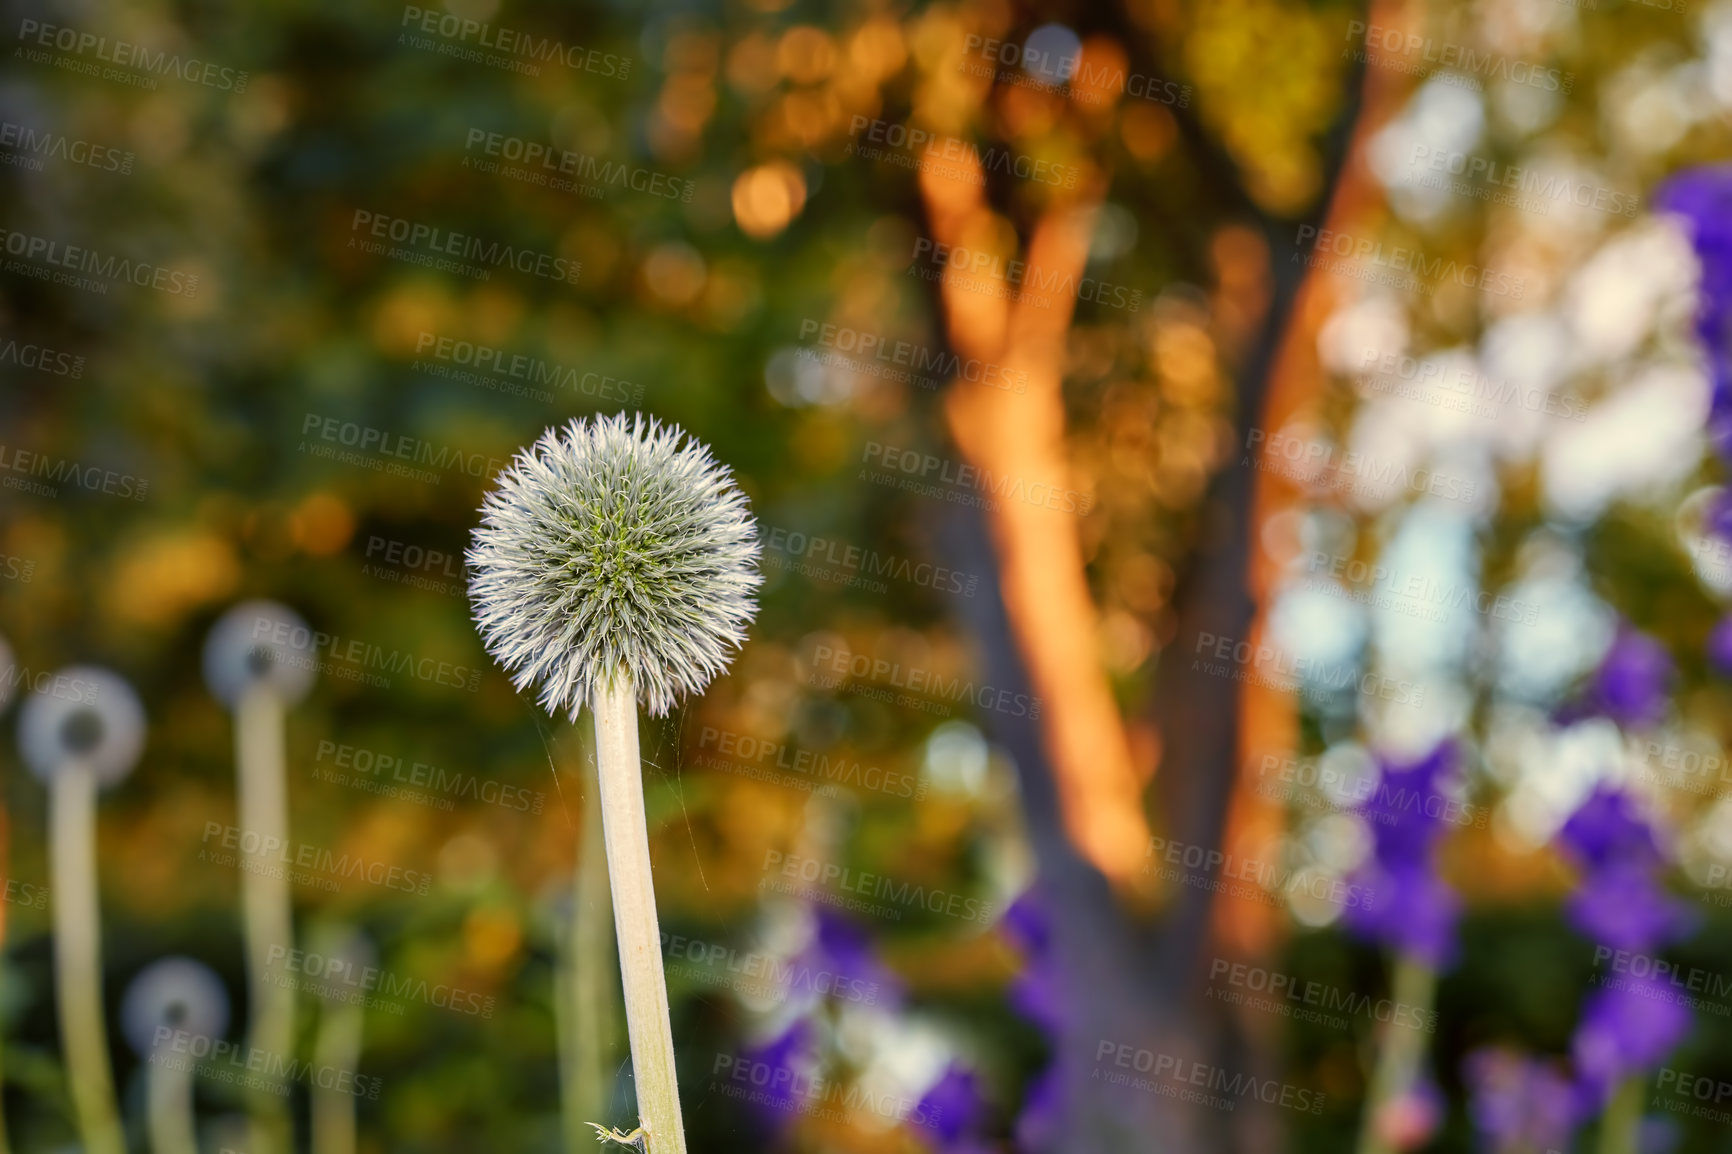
pixel 176 994
pixel 101 724
pixel 244 649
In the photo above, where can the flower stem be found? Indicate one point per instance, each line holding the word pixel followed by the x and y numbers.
pixel 338 1047
pixel 1399 1057
pixel 78 957
pixel 263 803
pixel 169 1113
pixel 626 832
pixel 1621 1124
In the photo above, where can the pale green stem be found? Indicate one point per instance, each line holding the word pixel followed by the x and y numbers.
pixel 264 820
pixel 168 1106
pixel 5 875
pixel 585 995
pixel 626 832
pixel 78 957
pixel 1402 1051
pixel 1620 1126
pixel 338 1048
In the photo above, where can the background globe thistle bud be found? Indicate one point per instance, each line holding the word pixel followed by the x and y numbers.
pixel 100 721
pixel 239 653
pixel 613 548
pixel 179 993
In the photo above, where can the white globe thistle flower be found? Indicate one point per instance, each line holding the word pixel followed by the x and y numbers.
pixel 175 993
pixel 241 651
pixel 82 735
pixel 611 548
pixel 100 723
pixel 167 1002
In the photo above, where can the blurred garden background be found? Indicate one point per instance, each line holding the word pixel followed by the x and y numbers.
pixel 1239 666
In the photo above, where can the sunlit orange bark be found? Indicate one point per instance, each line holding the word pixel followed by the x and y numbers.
pixel 1269 715
pixel 1021 434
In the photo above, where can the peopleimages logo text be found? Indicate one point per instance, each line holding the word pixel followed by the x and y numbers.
pixel 1325 243
pixel 942 364
pixel 920 143
pixel 56 254
pixel 1551 186
pixel 1379 40
pixel 125 54
pixel 523 49
pixel 543 164
pixel 437 241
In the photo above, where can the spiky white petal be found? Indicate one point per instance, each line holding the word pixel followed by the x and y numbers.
pixel 610 547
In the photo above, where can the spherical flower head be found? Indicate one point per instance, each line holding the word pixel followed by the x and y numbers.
pixel 613 549
pixel 173 994
pixel 87 715
pixel 258 643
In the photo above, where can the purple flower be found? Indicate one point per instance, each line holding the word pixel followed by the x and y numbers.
pixel 1720 646
pixel 1633 679
pixel 953 1110
pixel 1620 904
pixel 1037 992
pixel 1703 196
pixel 785 1060
pixel 1405 906
pixel 1607 828
pixel 1626 1028
pixel 1409 910
pixel 1407 811
pixel 1026 925
pixel 1717 521
pixel 1037 1127
pixel 842 948
pixel 1520 1103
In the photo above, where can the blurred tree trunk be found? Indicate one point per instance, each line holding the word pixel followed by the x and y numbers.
pixel 1127 981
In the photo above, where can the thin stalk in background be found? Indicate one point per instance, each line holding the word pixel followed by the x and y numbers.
pixel 337 1047
pixel 172 998
pixel 1621 1124
pixel 251 666
pixel 83 735
pixel 1400 1055
pixel 78 956
pixel 263 808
